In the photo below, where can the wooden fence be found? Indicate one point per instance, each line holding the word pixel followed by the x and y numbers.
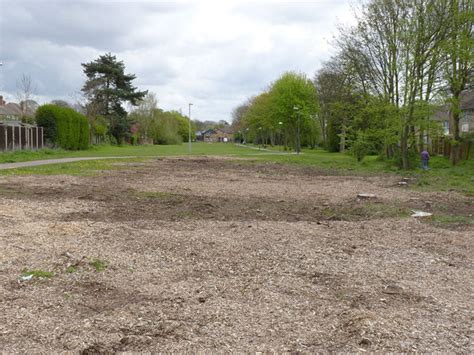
pixel 442 146
pixel 18 136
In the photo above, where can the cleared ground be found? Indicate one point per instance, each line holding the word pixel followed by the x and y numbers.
pixel 218 254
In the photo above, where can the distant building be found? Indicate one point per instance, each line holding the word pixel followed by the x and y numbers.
pixel 466 119
pixel 216 135
pixel 14 134
pixel 14 111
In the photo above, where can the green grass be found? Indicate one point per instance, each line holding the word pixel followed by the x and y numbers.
pixel 37 273
pixel 71 269
pixel 441 177
pixel 80 168
pixel 125 150
pixel 452 220
pixel 99 264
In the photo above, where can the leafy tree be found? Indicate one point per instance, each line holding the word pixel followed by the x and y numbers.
pixel 458 51
pixel 107 88
pixel 183 126
pixel 143 115
pixel 292 101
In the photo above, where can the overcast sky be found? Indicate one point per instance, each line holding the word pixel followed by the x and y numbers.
pixel 213 54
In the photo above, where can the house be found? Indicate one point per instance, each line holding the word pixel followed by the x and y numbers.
pixel 466 119
pixel 218 135
pixel 14 111
pixel 14 134
pixel 199 136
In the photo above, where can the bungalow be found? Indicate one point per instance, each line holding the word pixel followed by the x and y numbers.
pixel 217 135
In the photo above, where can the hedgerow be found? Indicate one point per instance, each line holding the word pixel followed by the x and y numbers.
pixel 63 127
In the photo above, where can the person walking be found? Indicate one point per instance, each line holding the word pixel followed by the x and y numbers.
pixel 425 158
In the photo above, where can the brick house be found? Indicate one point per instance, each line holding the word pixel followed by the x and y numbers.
pixel 218 135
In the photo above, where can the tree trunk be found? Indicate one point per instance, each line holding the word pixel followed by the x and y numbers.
pixel 404 148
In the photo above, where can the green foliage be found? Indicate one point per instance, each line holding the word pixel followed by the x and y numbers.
pixel 183 127
pixel 271 117
pixel 71 269
pixel 106 88
pixel 99 126
pixel 46 118
pixel 99 264
pixel 361 146
pixel 63 127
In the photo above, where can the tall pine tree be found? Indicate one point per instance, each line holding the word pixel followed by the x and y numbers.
pixel 107 88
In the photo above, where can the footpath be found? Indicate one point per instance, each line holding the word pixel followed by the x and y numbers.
pixel 25 164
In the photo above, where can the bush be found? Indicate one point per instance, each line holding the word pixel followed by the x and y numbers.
pixel 361 147
pixel 63 127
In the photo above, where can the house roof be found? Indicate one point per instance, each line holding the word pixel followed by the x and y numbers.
pixel 227 130
pixel 14 109
pixel 209 131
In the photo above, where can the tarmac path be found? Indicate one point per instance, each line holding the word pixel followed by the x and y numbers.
pixel 26 164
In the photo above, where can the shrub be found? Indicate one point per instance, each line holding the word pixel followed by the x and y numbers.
pixel 361 147
pixel 63 127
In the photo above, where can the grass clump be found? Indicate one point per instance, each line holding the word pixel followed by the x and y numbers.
pixel 99 265
pixel 71 269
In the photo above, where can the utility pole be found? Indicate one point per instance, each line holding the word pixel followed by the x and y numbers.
pixel 189 133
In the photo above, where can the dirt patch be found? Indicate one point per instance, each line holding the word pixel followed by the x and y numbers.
pixel 208 254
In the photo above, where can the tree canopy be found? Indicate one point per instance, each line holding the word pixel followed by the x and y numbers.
pixel 276 116
pixel 107 88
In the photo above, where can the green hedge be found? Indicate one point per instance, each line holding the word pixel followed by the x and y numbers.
pixel 63 127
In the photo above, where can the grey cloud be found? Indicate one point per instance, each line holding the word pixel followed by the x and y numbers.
pixel 215 56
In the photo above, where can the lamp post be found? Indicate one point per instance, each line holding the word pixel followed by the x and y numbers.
pixel 189 130
pixel 279 135
pixel 260 137
pixel 298 143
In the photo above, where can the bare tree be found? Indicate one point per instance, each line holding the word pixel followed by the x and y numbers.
pixel 25 91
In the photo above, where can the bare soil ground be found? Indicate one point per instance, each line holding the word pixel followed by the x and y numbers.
pixel 215 254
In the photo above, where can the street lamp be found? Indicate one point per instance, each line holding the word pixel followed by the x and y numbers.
pixel 298 143
pixel 189 131
pixel 279 131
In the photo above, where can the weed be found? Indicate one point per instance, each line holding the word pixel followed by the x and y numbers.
pixel 71 269
pixel 99 264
